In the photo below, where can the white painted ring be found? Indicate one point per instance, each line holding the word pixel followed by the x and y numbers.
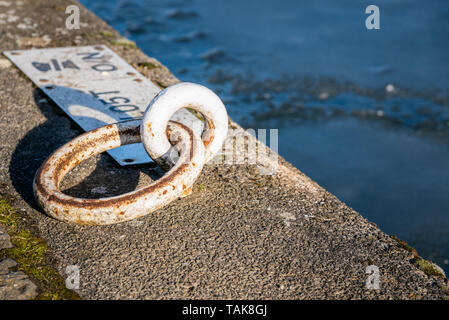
pixel 170 100
pixel 175 183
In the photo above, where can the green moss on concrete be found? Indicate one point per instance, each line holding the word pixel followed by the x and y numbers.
pixel 404 245
pixel 31 254
pixel 123 42
pixel 445 290
pixel 106 34
pixel 148 65
pixel 429 268
pixel 58 7
pixel 160 84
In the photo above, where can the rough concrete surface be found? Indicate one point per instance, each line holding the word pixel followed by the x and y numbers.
pixel 241 234
pixel 15 285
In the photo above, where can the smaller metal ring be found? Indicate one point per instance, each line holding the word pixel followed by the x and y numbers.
pixel 128 206
pixel 170 100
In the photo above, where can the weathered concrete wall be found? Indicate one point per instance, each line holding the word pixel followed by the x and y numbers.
pixel 241 234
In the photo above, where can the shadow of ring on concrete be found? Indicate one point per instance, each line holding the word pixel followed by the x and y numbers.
pixel 99 176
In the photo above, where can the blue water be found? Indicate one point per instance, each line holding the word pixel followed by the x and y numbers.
pixel 365 113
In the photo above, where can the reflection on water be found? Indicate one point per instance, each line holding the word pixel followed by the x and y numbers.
pixel 369 108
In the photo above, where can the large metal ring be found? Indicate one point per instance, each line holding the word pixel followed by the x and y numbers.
pixel 127 206
pixel 166 103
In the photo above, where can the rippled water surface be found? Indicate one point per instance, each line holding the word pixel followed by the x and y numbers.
pixel 363 113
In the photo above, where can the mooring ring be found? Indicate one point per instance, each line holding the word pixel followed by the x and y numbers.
pixel 128 206
pixel 166 103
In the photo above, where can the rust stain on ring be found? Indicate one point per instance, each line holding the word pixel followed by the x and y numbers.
pixel 123 207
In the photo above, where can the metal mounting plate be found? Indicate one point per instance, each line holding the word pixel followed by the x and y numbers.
pixel 95 87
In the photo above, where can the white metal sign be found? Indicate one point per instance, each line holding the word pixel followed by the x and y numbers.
pixel 94 86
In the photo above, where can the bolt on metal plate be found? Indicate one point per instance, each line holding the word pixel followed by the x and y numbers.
pixel 95 87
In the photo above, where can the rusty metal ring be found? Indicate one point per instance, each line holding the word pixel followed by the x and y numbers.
pixel 131 205
pixel 166 103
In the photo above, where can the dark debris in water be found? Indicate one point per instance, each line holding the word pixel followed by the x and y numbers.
pixel 181 14
pixel 292 100
pixel 213 55
pixel 190 36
